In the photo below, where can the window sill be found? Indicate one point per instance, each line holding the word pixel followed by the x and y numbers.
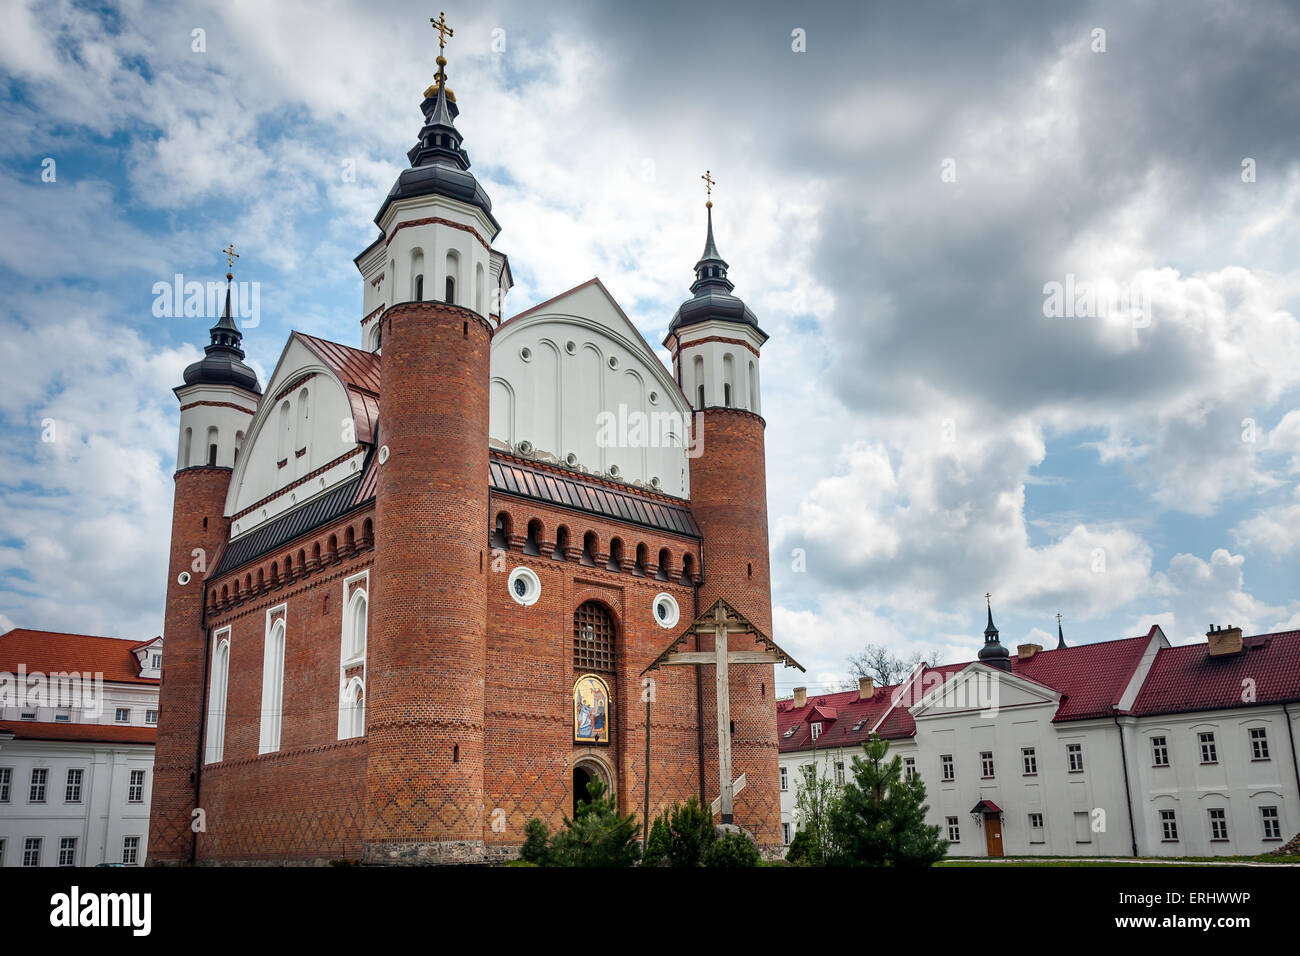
pixel 1034 774
pixel 1260 759
pixel 1209 763
pixel 1169 841
pixel 1271 840
pixel 1037 842
pixel 1220 840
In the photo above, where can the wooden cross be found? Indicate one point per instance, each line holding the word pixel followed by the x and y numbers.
pixel 444 31
pixel 231 256
pixel 721 620
pixel 709 183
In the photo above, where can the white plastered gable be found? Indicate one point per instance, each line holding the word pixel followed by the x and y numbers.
pixel 575 383
pixel 283 447
pixel 979 687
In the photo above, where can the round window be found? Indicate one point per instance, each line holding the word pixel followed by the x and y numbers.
pixel 183 578
pixel 525 587
pixel 666 611
pixel 383 455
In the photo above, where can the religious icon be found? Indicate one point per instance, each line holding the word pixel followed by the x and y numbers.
pixel 591 710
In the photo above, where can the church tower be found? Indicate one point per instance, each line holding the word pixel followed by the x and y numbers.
pixel 218 398
pixel 715 343
pixel 425 707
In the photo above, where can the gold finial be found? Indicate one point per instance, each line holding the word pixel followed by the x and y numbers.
pixel 709 183
pixel 444 31
pixel 231 255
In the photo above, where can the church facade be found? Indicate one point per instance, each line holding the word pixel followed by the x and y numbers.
pixel 413 584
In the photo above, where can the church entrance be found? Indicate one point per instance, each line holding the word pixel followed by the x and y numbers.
pixel 581 777
pixel 993 834
pixel 586 769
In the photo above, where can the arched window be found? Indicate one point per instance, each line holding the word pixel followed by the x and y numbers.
pixel 417 275
pixel 352 710
pixel 593 638
pixel 698 365
pixel 183 459
pixel 480 289
pixel 217 700
pixel 286 423
pixel 304 424
pixel 239 445
pixel 561 552
pixel 212 445
pixel 728 379
pixel 453 276
pixel 665 565
pixel 589 548
pixel 753 388
pixel 688 564
pixel 501 532
pixel 533 544
pixel 642 555
pixel 615 562
pixel 272 689
pixel 358 608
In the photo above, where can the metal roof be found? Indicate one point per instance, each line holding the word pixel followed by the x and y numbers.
pixel 305 517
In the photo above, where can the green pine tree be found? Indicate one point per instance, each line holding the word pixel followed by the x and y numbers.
pixel 879 819
pixel 598 836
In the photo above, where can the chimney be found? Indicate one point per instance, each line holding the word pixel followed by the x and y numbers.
pixel 1224 640
pixel 1026 651
pixel 866 688
pixel 800 697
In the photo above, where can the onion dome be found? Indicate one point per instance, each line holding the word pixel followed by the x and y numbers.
pixel 222 362
pixel 712 298
pixel 439 162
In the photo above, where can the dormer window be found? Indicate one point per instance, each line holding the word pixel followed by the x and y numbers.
pixel 816 730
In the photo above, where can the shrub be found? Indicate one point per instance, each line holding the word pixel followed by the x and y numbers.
pixel 659 846
pixel 536 836
pixel 600 836
pixel 732 849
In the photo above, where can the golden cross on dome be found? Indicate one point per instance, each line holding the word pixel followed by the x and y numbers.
pixel 231 255
pixel 709 183
pixel 444 31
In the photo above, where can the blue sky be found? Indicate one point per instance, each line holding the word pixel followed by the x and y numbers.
pixel 892 200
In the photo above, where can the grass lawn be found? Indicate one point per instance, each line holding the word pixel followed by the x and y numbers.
pixel 1139 861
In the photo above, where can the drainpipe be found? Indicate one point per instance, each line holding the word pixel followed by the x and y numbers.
pixel 203 720
pixel 1128 793
pixel 1290 730
pixel 699 681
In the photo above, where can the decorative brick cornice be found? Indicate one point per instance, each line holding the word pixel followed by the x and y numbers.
pixel 294 484
pixel 293 385
pixel 367 319
pixel 682 346
pixel 312 579
pixel 215 768
pixel 437 220
pixel 242 408
pixel 743 412
pixel 193 469
pixel 427 303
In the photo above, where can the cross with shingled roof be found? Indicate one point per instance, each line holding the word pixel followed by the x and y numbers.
pixel 722 620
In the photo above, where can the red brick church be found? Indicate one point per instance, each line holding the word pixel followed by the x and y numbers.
pixel 414 584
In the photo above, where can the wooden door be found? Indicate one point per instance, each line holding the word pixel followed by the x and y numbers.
pixel 993 834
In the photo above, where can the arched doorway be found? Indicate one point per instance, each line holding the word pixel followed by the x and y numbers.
pixel 585 770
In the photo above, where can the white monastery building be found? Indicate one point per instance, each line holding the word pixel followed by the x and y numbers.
pixel 78 718
pixel 1130 747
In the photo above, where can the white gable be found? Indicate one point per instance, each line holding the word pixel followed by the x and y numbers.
pixel 575 383
pixel 984 689
pixel 290 437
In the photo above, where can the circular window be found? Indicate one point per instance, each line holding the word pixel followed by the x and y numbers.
pixel 571 346
pixel 654 398
pixel 383 454
pixel 526 354
pixel 613 361
pixel 570 459
pixel 525 587
pixel 655 482
pixel 525 448
pixel 183 578
pixel 666 611
pixel 613 470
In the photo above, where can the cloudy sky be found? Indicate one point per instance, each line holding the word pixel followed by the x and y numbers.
pixel 900 185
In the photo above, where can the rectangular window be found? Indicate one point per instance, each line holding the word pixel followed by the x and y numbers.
pixel 72 787
pixel 1272 825
pixel 68 851
pixel 1258 743
pixel 151 716
pixel 32 851
pixel 909 768
pixel 1168 826
pixel 1035 828
pixel 809 774
pixel 122 715
pixel 28 715
pixel 1209 752
pixel 986 763
pixel 63 717
pixel 130 849
pixel 156 661
pixel 1030 757
pixel 949 772
pixel 1082 828
pixel 6 781
pixel 954 830
pixel 816 730
pixel 36 793
pixel 1218 824
pixel 785 833
pixel 1159 752
pixel 785 781
pixel 135 790
pixel 2 852
pixel 1074 757
pixel 839 771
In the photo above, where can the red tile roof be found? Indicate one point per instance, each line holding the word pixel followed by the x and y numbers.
pixel 359 371
pixel 51 651
pixel 86 733
pixel 1092 677
pixel 1186 678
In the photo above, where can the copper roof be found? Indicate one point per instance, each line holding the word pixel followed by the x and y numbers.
pixel 359 372
pixel 514 476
